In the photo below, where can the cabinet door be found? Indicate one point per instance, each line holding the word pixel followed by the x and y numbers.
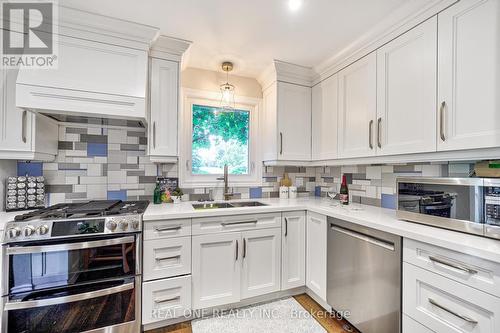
pixel 316 237
pixel 293 241
pixel 469 75
pixel 411 326
pixel 406 92
pixel 163 117
pixel 324 119
pixel 358 108
pixel 261 254
pixel 216 269
pixel 15 124
pixel 294 122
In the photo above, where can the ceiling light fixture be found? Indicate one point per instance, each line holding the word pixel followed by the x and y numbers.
pixel 227 89
pixel 294 5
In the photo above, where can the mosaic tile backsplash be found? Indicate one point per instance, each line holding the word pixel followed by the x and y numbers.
pixel 105 162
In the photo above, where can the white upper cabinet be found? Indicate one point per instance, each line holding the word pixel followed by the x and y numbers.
pixel 358 108
pixel 164 110
pixel 294 122
pixel 23 135
pixel 406 92
pixel 324 119
pixel 293 236
pixel 469 75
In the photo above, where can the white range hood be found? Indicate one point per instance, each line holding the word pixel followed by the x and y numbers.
pixel 101 73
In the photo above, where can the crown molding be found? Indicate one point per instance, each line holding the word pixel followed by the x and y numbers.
pixel 397 23
pixel 169 48
pixel 286 72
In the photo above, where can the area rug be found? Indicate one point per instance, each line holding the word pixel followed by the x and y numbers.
pixel 283 316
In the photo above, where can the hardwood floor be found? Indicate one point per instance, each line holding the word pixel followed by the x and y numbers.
pixel 331 325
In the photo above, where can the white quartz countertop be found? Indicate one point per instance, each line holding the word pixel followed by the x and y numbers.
pixel 369 216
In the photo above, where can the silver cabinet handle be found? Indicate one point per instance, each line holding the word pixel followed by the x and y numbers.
pixel 154 134
pixel 165 229
pixel 442 121
pixel 167 258
pixel 228 224
pixel 70 246
pixel 236 250
pixel 363 237
pixel 165 299
pixel 379 122
pixel 370 134
pixel 453 265
pixel 442 307
pixel 68 299
pixel 281 143
pixel 244 248
pixel 23 129
pixel 286 226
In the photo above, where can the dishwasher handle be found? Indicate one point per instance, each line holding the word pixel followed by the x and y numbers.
pixel 364 237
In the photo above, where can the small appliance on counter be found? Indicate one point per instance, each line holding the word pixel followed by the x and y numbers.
pixel 470 205
pixel 24 192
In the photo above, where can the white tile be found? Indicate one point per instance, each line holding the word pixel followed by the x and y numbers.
pixel 93 180
pixel 432 170
pixel 76 153
pixel 50 166
pixel 113 146
pixel 114 187
pixel 371 191
pixel 62 133
pixel 97 191
pixel 151 170
pixel 135 192
pixel 94 130
pixel 83 160
pixel 373 172
pixel 131 186
pixel 361 182
pixel 349 169
pixel 133 140
pixel 94 169
pixel 387 190
pixel 116 177
pixel 100 159
pixel 132 179
pixel 387 168
pixel 117 136
pixel 132 159
pixel 57 198
pixel 72 180
pixel 72 137
pixel 79 188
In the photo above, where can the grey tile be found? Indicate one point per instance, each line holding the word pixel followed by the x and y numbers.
pixel 359 176
pixel 113 167
pixel 145 197
pixel 59 188
pixel 136 173
pixel 143 140
pixel 76 130
pixel 80 145
pixel 136 133
pixel 69 166
pixel 105 169
pixel 129 166
pixel 94 138
pixel 292 169
pixel 65 145
pixel 147 179
pixel 327 179
pixel 371 201
pixel 199 197
pixel 128 147
pixel 76 195
pixel 404 168
pixel 115 156
pixel 270 179
pixel 274 194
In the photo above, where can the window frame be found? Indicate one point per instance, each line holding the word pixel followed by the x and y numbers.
pixel 187 178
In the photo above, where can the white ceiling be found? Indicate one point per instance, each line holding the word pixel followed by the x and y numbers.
pixel 252 33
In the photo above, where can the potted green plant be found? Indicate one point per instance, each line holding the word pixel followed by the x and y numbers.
pixel 176 195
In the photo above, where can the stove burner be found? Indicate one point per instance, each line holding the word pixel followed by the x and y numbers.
pixel 86 209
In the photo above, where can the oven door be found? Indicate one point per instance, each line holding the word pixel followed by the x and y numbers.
pixel 107 307
pixel 40 266
pixel 450 203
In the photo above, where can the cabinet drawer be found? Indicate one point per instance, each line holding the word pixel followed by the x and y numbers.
pixel 166 299
pixel 167 257
pixel 412 326
pixel 167 228
pixel 472 271
pixel 208 225
pixel 446 306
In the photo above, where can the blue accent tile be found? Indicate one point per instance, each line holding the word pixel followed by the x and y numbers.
pixel 97 149
pixel 317 191
pixel 389 201
pixel 255 192
pixel 117 195
pixel 29 168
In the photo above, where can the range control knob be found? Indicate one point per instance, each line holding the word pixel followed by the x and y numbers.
pixel 14 232
pixel 135 224
pixel 111 225
pixel 123 225
pixel 28 231
pixel 42 230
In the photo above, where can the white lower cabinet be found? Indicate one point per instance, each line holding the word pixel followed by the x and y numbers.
pixel 412 326
pixel 261 253
pixel 446 306
pixel 316 249
pixel 216 269
pixel 293 249
pixel 166 299
pixel 167 257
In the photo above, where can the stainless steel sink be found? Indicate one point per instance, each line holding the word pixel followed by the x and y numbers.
pixel 215 205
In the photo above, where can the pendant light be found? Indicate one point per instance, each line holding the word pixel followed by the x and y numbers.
pixel 227 89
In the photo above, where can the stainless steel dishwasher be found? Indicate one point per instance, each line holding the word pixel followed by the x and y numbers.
pixel 364 276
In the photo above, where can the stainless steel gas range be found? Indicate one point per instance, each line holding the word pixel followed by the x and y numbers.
pixel 74 268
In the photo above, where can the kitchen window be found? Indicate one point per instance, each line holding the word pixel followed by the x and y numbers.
pixel 214 137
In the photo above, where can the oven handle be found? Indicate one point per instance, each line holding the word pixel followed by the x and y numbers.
pixel 70 246
pixel 68 299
